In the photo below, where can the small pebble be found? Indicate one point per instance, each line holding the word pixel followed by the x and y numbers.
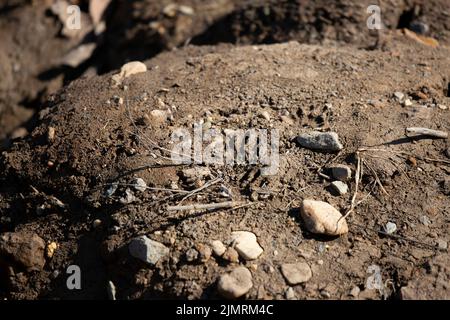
pixel 246 244
pixel 218 248
pixel 322 218
pixel 51 134
pixel 231 255
pixel 204 252
pixel 425 220
pixel 326 141
pixel 235 284
pixel 325 294
pixel 50 250
pixel 147 250
pixel 390 228
pixel 111 290
pixel 442 244
pixel 111 189
pixel 265 114
pixel 139 184
pixel 296 273
pixel 339 187
pixel 399 96
pixel 96 223
pixel 407 103
pixel 290 294
pixel 128 69
pixel 191 255
pixel 128 198
pixel 341 172
pixel 355 292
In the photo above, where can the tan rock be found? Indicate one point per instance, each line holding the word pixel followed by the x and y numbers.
pixel 235 284
pixel 322 218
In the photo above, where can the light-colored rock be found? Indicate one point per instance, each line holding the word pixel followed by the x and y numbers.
pixel 147 250
pixel 265 115
pixel 139 184
pixel 425 220
pixel 246 244
pixel 325 141
pixel 218 248
pixel 235 284
pixel 191 255
pixel 51 134
pixel 290 294
pixel 407 103
pixel 127 70
pixel 296 273
pixel 339 187
pixel 111 289
pixel 442 244
pixel 128 197
pixel 355 292
pixel 341 172
pixel 322 218
pixel 96 223
pixel 390 227
pixel 399 96
pixel 50 250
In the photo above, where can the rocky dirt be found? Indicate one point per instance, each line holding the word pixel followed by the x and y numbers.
pixel 69 193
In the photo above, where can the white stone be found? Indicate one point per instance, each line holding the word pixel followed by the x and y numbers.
pixel 235 284
pixel 322 218
pixel 355 292
pixel 265 114
pixel 246 244
pixel 390 227
pixel 296 273
pixel 407 103
pixel 218 248
pixel 147 250
pixel 290 294
pixel 339 187
pixel 139 184
pixel 399 96
pixel 127 70
pixel 111 290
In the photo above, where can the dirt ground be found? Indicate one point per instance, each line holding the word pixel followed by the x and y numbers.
pixel 70 135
